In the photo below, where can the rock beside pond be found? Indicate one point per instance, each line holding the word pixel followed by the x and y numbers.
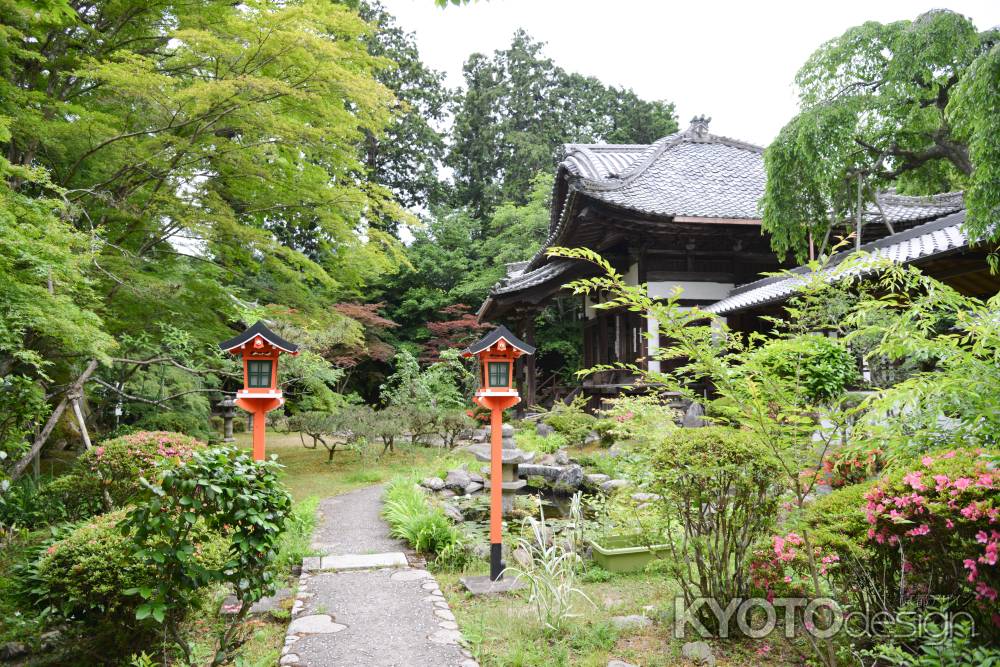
pixel 591 438
pixel 481 435
pixel 561 458
pixel 446 493
pixel 457 479
pixel 453 513
pixel 550 473
pixel 645 497
pixel 620 663
pixel 12 650
pixel 433 483
pixel 595 479
pixel 544 430
pixel 698 652
pixel 473 487
pixel 613 485
pixel 631 622
pixel 570 478
pixel 522 557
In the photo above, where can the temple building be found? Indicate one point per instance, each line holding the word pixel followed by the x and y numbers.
pixel 682 213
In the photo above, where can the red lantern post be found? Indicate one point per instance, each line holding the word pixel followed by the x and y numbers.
pixel 260 348
pixel 496 353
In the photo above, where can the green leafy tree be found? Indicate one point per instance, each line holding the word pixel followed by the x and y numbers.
pixel 406 156
pixel 519 107
pixel 908 104
pixel 168 168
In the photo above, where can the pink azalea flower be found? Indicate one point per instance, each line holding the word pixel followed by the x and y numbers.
pixel 913 479
pixel 949 455
pixel 962 483
pixel 927 461
pixel 923 529
pixel 949 523
pixel 985 592
pixel 942 482
pixel 970 565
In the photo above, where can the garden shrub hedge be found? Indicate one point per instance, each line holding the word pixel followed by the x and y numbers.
pixel 85 575
pixel 727 470
pixel 115 466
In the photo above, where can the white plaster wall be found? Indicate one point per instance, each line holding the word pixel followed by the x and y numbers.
pixel 632 275
pixel 691 290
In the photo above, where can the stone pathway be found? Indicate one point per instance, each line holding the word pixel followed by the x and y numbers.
pixel 363 605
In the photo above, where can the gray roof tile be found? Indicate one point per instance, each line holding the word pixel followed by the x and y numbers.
pixel 691 173
pixel 920 242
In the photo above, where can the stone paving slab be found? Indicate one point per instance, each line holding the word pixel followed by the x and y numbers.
pixel 373 618
pixel 361 605
pixel 351 523
pixel 354 561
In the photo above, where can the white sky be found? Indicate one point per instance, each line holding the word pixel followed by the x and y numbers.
pixel 734 61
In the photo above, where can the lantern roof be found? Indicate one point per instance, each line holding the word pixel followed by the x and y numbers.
pixel 259 329
pixel 501 332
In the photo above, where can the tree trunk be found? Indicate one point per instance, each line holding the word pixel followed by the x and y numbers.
pixel 39 442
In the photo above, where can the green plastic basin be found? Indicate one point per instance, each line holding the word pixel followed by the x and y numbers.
pixel 618 553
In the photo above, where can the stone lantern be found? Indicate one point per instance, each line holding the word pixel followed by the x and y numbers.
pixel 228 407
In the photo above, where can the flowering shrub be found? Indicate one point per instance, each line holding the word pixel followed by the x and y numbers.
pixel 118 464
pixel 107 476
pixel 852 467
pixel 939 517
pixel 782 569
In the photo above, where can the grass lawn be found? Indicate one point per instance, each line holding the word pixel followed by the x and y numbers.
pixel 308 473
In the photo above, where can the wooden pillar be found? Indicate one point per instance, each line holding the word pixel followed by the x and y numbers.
pixel 531 377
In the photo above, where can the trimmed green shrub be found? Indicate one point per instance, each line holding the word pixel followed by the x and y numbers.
pixel 726 470
pixel 87 575
pixel 176 422
pixel 572 421
pixel 823 366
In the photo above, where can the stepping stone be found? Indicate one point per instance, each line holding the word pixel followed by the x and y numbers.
pixel 363 561
pixel 445 637
pixel 265 605
pixel 411 575
pixel 315 624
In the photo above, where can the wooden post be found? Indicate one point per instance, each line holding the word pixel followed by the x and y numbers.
pixel 259 434
pixel 79 419
pixel 531 377
pixel 496 493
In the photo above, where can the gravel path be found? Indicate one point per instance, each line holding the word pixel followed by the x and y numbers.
pixel 366 614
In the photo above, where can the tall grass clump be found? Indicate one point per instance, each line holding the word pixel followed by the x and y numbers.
pixel 413 518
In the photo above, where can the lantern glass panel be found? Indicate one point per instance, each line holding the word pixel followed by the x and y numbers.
pixel 259 373
pixel 499 374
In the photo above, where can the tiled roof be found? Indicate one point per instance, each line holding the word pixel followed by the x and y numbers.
pixel 690 174
pixel 909 208
pixel 920 242
pixel 525 280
